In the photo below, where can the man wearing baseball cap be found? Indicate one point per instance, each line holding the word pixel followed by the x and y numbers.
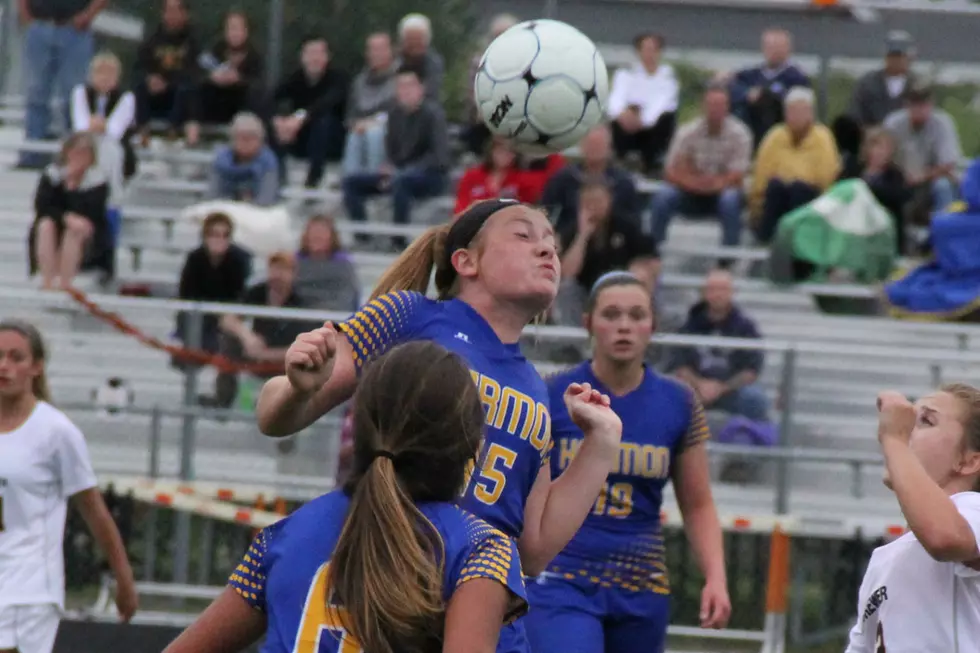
pixel 883 91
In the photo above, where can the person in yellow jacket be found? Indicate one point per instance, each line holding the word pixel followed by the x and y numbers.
pixel 796 162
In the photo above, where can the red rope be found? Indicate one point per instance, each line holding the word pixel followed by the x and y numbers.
pixel 183 354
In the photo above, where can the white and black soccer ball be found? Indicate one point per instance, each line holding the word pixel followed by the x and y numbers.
pixel 543 84
pixel 113 397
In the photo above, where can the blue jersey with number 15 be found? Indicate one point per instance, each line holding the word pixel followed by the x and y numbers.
pixel 518 425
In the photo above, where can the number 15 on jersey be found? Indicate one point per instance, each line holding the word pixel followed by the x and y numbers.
pixel 492 478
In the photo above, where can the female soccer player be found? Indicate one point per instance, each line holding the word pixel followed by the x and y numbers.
pixel 922 591
pixel 389 563
pixel 607 591
pixel 496 269
pixel 43 464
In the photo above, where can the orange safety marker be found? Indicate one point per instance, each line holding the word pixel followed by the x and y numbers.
pixel 777 592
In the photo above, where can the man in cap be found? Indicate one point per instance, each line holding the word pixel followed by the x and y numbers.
pixel 882 91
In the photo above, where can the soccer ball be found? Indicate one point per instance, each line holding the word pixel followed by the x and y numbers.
pixel 542 84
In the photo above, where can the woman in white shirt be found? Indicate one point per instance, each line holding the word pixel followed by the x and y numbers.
pixel 921 593
pixel 100 107
pixel 43 463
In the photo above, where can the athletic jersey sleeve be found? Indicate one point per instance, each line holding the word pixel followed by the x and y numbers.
pixel 697 429
pixel 249 577
pixel 383 323
pixel 968 505
pixel 857 639
pixel 493 555
pixel 73 462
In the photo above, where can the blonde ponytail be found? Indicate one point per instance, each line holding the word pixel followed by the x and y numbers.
pixel 413 268
pixel 40 387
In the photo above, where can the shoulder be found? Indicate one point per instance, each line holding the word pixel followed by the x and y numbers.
pixel 688 129
pixel 896 119
pixel 943 119
pixel 403 302
pixel 823 132
pixel 256 294
pixel 620 177
pixel 94 179
pixel 55 423
pixel 735 126
pixel 967 502
pixel 52 174
pixel 662 383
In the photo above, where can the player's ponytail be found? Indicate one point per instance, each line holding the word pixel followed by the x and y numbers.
pixel 413 442
pixel 413 268
pixel 39 386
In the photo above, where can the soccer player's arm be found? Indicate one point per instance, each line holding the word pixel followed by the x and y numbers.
pixel 857 639
pixel 378 326
pixel 237 618
pixel 489 592
pixel 692 486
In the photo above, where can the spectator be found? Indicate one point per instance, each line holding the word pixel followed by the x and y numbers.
pixel 166 64
pixel 234 73
pixel 475 134
pixel 70 213
pixel 538 171
pixel 600 241
pixel 371 97
pixel 500 175
pixel 417 151
pixel 928 149
pixel 706 167
pixel 101 108
pixel 268 338
pixel 325 274
pixel 314 99
pixel 416 54
pixel 247 170
pixel 216 271
pixel 882 91
pixel 796 162
pixel 561 193
pixel 725 379
pixel 58 46
pixel 758 93
pixel 885 179
pixel 643 104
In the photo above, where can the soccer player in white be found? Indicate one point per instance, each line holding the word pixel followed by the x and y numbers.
pixel 921 593
pixel 43 463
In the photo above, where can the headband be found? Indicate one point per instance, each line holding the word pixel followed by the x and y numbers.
pixel 617 275
pixel 462 233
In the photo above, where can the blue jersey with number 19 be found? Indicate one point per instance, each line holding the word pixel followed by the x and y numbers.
pixel 514 396
pixel 285 572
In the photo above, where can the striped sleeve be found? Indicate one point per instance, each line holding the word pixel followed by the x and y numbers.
pixel 382 324
pixel 697 430
pixel 249 577
pixel 494 556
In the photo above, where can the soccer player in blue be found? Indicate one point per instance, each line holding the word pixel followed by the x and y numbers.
pixel 496 269
pixel 607 591
pixel 389 563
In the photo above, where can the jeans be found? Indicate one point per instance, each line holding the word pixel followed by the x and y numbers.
pixel 406 185
pixel 728 204
pixel 781 198
pixel 319 140
pixel 749 401
pixel 173 106
pixel 365 152
pixel 56 58
pixel 943 193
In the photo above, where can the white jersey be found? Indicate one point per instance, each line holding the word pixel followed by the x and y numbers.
pixel 911 603
pixel 42 464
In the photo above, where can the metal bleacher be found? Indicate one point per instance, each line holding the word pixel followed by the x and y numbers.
pixel 835 381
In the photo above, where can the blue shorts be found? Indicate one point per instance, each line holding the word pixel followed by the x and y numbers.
pixel 576 616
pixel 513 638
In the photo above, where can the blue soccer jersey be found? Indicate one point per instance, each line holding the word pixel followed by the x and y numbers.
pixel 621 543
pixel 514 396
pixel 286 570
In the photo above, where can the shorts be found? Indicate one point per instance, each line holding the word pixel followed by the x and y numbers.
pixel 575 616
pixel 29 628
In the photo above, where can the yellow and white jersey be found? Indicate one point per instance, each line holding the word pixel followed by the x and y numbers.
pixel 912 603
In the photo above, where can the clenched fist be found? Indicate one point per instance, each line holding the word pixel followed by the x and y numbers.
pixel 896 416
pixel 590 411
pixel 310 359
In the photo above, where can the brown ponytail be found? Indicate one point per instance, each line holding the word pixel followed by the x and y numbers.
pixel 412 442
pixel 413 268
pixel 39 387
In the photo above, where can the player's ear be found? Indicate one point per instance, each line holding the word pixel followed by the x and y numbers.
pixel 587 322
pixel 466 262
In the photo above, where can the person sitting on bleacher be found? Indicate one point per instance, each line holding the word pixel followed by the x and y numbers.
pixel 417 151
pixel 475 134
pixel 561 193
pixel 310 108
pixel 417 54
pixel 499 176
pixel 166 67
pixel 796 162
pixel 371 97
pixel 725 379
pixel 100 107
pixel 70 225
pixel 216 271
pixel 706 165
pixel 234 73
pixel 600 241
pixel 268 338
pixel 325 274
pixel 246 170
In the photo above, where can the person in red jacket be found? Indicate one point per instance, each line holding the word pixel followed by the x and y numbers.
pixel 537 172
pixel 499 176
